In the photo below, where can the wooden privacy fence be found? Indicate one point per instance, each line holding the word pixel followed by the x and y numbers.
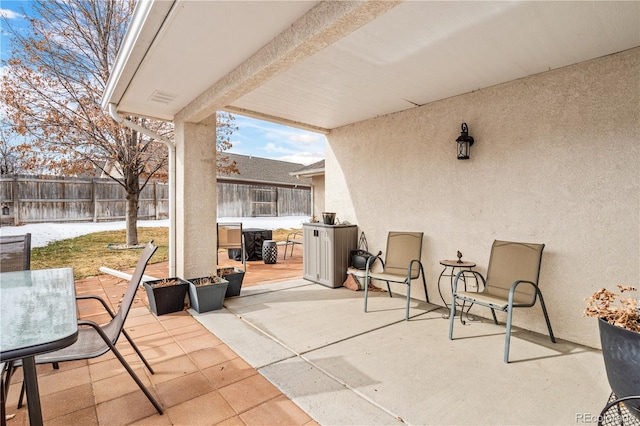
pixel 34 199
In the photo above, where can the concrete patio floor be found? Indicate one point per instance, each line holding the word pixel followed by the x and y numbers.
pixel 287 351
pixel 343 366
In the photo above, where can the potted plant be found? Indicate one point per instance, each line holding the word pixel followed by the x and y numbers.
pixel 166 295
pixel 235 277
pixel 619 325
pixel 207 293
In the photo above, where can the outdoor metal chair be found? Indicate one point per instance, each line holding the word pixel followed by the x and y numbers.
pixel 511 282
pixel 293 238
pixel 95 340
pixel 620 411
pixel 15 253
pixel 401 264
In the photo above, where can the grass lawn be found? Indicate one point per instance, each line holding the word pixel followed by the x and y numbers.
pixel 87 253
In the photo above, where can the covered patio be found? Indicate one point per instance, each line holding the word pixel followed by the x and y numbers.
pixel 549 90
pixel 291 352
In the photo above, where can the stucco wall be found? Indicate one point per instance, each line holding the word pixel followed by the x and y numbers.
pixel 556 161
pixel 318 189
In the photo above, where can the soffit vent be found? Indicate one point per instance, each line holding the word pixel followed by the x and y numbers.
pixel 162 97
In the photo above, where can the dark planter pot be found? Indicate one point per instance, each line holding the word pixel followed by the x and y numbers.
pixel 621 353
pixel 165 299
pixel 207 297
pixel 235 277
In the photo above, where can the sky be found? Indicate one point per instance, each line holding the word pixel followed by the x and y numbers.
pixel 254 137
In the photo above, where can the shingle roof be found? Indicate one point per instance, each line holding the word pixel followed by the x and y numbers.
pixel 315 168
pixel 264 170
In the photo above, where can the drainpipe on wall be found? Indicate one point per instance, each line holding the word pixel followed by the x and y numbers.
pixel 172 181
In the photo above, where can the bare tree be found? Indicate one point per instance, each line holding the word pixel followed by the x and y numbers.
pixel 52 87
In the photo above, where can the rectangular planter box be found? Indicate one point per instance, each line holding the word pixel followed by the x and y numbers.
pixel 235 277
pixel 165 299
pixel 209 297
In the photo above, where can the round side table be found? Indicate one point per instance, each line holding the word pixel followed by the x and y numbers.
pixel 269 251
pixel 449 270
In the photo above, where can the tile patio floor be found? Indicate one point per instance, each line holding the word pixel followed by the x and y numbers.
pixel 198 379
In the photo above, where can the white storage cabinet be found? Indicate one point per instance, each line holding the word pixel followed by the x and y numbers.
pixel 326 251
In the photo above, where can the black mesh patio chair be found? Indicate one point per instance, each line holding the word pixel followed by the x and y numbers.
pixel 511 282
pixel 401 264
pixel 15 253
pixel 620 411
pixel 95 340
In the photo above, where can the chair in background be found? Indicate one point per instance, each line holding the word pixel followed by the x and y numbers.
pixel 95 340
pixel 401 264
pixel 15 253
pixel 293 238
pixel 230 236
pixel 511 282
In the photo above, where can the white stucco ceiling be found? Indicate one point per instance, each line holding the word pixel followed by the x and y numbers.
pixel 216 53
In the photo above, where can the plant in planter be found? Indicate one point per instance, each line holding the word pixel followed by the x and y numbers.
pixel 166 295
pixel 235 277
pixel 619 325
pixel 207 293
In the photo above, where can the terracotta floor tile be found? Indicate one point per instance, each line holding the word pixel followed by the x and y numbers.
pixel 183 388
pixel 63 379
pixel 178 322
pixel 153 340
pixel 207 409
pixel 146 330
pixel 209 357
pixel 137 311
pixel 249 392
pixel 200 342
pixel 125 410
pixel 184 333
pixel 278 411
pixel 139 321
pixel 224 374
pixel 116 386
pixel 172 369
pixel 154 420
pixel 173 315
pixel 84 417
pixel 232 421
pixel 110 367
pixel 66 401
pixel 163 353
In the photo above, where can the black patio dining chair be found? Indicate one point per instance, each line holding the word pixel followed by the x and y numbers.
pixel 95 340
pixel 15 253
pixel 511 282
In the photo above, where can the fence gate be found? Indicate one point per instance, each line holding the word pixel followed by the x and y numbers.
pixel 264 202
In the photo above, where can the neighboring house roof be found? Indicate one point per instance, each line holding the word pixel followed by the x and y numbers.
pixel 263 170
pixel 315 169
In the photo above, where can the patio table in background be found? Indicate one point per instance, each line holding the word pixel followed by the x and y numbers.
pixel 37 315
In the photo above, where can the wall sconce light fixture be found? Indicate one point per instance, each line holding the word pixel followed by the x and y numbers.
pixel 464 142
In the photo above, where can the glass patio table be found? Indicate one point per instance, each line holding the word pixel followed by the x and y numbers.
pixel 37 315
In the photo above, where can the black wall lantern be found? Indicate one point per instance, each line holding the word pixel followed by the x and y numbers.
pixel 464 142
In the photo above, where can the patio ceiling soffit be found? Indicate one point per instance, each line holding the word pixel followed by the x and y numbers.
pixel 320 27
